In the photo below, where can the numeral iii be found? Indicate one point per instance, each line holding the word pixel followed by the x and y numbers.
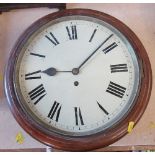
pixel 33 75
pixel 119 68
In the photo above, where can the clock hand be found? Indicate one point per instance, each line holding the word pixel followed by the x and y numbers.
pixel 77 69
pixel 52 71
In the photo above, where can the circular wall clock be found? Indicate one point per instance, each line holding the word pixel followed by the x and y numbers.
pixel 76 78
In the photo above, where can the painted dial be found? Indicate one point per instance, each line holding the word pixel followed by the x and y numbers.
pixel 77 76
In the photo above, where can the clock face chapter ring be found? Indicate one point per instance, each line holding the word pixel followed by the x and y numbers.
pixel 78 77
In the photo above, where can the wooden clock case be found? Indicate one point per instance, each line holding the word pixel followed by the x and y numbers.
pixel 97 140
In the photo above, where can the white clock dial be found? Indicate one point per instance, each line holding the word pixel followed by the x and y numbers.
pixel 77 75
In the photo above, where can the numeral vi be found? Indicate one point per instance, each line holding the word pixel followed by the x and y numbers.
pixel 78 116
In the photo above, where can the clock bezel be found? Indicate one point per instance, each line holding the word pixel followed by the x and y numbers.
pixel 54 128
pixel 86 142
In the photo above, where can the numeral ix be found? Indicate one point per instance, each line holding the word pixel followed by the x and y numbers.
pixel 116 89
pixel 33 75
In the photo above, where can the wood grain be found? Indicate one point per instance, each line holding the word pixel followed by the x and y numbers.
pixel 12 6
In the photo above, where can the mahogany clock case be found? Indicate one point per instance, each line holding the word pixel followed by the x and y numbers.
pixel 81 143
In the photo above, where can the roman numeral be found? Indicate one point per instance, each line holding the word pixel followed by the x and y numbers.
pixel 78 116
pixel 119 68
pixel 33 75
pixel 72 32
pixel 37 93
pixel 92 36
pixel 116 89
pixel 55 111
pixel 38 55
pixel 52 39
pixel 105 111
pixel 109 48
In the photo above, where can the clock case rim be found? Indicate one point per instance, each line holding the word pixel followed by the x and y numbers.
pixel 47 128
pixel 100 139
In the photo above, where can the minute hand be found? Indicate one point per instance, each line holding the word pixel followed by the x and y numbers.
pixel 95 51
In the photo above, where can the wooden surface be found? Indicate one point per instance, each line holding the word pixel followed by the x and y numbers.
pixel 12 6
pixel 139 17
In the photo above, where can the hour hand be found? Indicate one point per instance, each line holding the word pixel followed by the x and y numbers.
pixel 52 71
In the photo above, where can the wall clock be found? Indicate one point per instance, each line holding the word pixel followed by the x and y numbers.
pixel 76 78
